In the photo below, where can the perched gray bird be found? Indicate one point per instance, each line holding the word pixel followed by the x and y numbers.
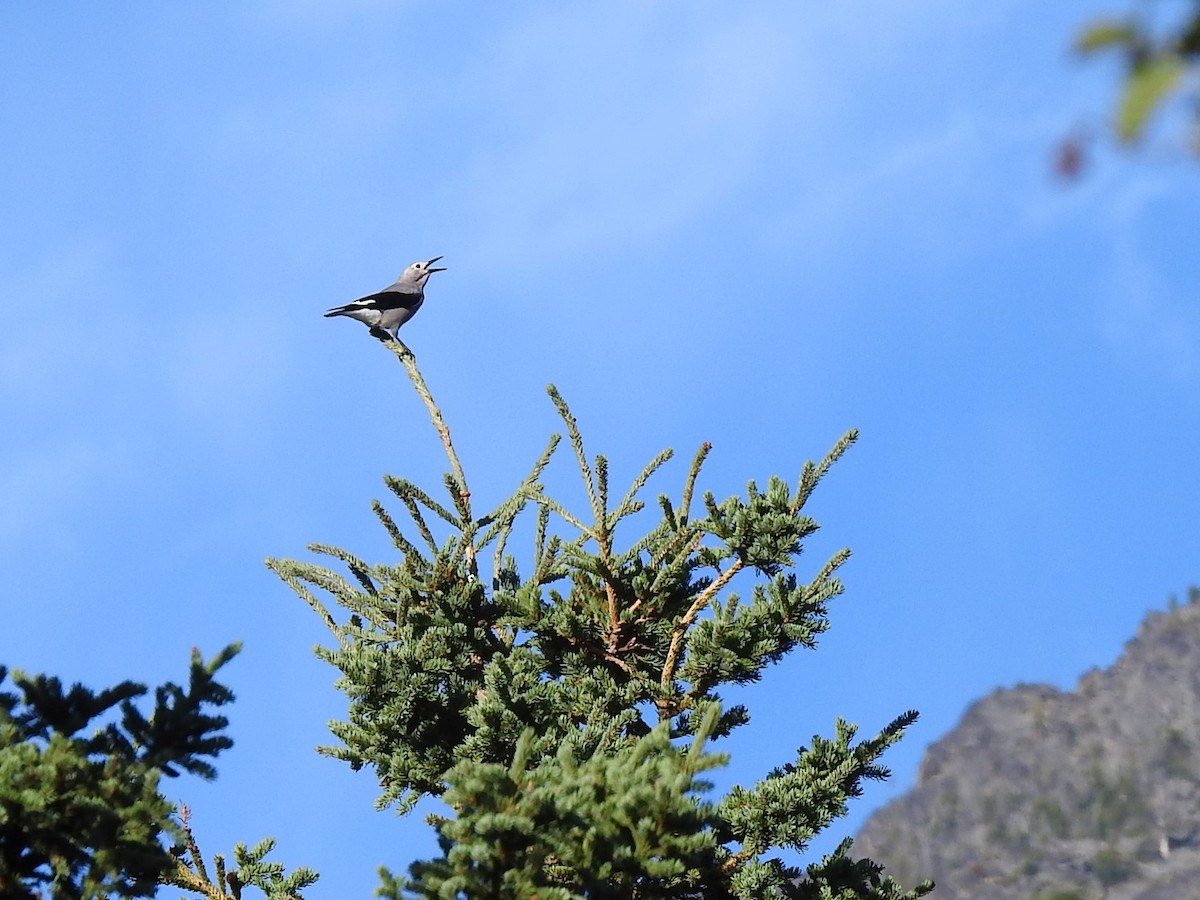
pixel 384 312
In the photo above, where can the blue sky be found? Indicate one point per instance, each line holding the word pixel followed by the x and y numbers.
pixel 755 224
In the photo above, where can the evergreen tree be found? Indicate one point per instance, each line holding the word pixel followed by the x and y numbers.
pixel 563 703
pixel 564 716
pixel 81 811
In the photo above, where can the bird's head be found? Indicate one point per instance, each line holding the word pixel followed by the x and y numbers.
pixel 419 272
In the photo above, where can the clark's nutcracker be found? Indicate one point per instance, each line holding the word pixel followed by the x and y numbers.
pixel 384 312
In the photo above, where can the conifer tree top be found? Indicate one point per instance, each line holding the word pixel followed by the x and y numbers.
pixel 502 657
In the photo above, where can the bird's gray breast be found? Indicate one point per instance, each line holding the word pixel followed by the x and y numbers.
pixel 397 316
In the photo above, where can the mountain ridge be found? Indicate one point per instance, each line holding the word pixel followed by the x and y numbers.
pixel 1064 795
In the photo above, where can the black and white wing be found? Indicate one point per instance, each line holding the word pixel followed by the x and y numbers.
pixel 398 296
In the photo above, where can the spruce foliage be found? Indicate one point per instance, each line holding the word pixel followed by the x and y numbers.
pixel 81 814
pixel 562 702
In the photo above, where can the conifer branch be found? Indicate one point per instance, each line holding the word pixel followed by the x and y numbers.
pixel 529 485
pixel 681 627
pixel 577 445
pixel 286 570
pixel 403 488
pixel 689 486
pixel 811 474
pixel 327 579
pixel 604 539
pixel 414 513
pixel 501 530
pixel 219 864
pixel 832 565
pixel 406 357
pixel 460 500
pixel 498 555
pixel 185 815
pixel 539 536
pixel 688 538
pixel 552 504
pixel 191 874
pixel 399 541
pixel 195 877
pixel 502 518
pixel 614 617
pixel 627 504
pixel 602 495
pixel 648 541
pixel 188 880
pixel 359 569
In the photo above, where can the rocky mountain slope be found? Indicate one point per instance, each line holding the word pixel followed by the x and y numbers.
pixel 1053 795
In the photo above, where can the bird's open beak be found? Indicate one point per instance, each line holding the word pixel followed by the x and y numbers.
pixel 431 262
